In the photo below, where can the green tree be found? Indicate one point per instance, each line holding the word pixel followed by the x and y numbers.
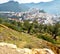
pixel 54 30
pixel 14 22
pixel 27 26
pixel 1 20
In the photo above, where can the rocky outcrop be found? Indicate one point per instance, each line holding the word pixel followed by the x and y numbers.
pixel 6 48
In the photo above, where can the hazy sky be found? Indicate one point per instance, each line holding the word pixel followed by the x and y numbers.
pixel 27 1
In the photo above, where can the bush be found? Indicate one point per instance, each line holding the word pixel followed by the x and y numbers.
pixel 13 27
pixel 28 46
pixel 47 38
pixel 1 20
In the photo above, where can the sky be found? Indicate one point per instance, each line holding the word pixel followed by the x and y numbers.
pixel 26 1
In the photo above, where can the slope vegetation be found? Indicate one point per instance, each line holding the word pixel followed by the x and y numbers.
pixel 24 40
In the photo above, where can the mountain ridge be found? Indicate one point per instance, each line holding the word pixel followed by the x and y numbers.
pixel 12 6
pixel 50 7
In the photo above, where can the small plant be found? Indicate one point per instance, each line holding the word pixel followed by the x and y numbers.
pixel 28 46
pixel 47 38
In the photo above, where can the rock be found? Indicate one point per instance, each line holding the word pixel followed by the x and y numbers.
pixel 42 51
pixel 8 45
pixel 6 48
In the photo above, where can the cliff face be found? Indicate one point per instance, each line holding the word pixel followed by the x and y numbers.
pixel 6 48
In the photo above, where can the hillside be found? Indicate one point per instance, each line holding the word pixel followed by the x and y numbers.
pixel 24 40
pixel 49 7
pixel 12 6
pixel 12 49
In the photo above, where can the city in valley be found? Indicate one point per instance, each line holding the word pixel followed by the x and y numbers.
pixel 31 15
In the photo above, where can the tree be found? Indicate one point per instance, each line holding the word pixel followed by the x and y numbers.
pixel 1 20
pixel 27 26
pixel 19 24
pixel 42 11
pixel 35 27
pixel 14 23
pixel 30 27
pixel 40 28
pixel 54 30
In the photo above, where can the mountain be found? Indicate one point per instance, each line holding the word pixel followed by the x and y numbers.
pixel 24 40
pixel 9 6
pixel 12 6
pixel 52 7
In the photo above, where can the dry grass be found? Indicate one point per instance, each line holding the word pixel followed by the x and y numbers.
pixel 23 40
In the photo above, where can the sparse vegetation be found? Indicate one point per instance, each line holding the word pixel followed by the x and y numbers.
pixel 33 29
pixel 9 33
pixel 47 38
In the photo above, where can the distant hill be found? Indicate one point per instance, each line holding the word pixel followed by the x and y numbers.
pixel 12 6
pixel 52 7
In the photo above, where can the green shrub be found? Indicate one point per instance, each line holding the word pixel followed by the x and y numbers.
pixel 28 46
pixel 47 38
pixel 13 27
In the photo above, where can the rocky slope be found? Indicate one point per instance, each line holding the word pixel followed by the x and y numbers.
pixel 23 40
pixel 6 48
